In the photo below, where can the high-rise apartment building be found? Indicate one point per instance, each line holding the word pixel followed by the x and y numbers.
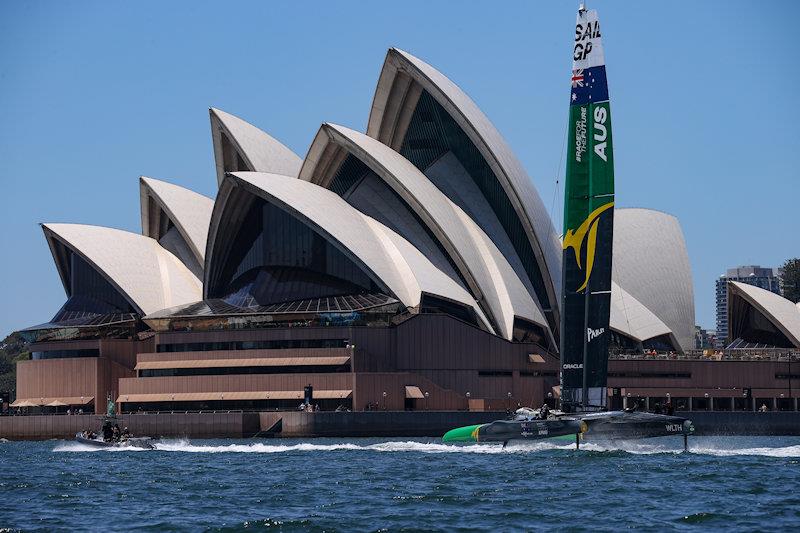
pixel 765 278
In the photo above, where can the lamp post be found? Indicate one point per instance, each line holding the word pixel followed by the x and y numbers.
pixel 426 399
pixel 509 402
pixel 468 395
pixel 384 400
pixel 709 407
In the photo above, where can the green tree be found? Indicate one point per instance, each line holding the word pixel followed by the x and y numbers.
pixel 12 349
pixel 790 279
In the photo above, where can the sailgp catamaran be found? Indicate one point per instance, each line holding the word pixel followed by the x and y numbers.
pixel 586 290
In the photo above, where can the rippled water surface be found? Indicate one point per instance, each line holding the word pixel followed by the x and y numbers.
pixel 730 483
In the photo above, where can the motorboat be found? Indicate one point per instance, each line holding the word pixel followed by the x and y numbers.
pixel 143 443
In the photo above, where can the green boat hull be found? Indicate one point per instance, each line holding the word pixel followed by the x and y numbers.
pixel 506 430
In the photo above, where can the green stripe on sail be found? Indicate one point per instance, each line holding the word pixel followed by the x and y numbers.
pixel 590 165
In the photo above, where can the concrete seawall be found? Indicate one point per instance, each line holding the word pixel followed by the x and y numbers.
pixel 242 425
pixel 744 423
pixel 378 423
pixel 191 425
pixel 344 424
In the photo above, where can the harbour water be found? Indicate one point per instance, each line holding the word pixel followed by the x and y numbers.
pixel 730 483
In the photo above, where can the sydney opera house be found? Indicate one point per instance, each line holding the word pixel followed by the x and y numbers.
pixel 412 266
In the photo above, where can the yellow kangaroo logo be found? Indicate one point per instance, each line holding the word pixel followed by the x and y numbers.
pixel 574 240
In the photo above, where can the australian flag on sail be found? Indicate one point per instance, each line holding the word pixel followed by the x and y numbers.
pixel 589 86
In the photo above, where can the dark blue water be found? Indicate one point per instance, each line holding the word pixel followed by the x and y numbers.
pixel 730 483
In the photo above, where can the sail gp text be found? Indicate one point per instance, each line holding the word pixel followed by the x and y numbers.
pixel 583 39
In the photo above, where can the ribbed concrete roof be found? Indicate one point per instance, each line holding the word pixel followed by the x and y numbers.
pixel 651 263
pixel 150 277
pixel 260 151
pixel 388 116
pixel 188 210
pixel 632 319
pixel 419 273
pixel 509 290
pixel 492 280
pixel 782 313
pixel 390 260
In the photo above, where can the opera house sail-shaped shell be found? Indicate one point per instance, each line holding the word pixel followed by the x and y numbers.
pixel 240 146
pixel 381 183
pixel 430 121
pixel 275 239
pixel 178 219
pixel 636 323
pixel 761 318
pixel 651 263
pixel 144 276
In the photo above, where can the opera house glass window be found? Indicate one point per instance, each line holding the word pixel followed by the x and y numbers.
pixel 277 258
pixel 90 293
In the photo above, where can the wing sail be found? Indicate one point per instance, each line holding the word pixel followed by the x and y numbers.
pixel 588 224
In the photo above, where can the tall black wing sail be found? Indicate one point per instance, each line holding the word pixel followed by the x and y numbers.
pixel 588 226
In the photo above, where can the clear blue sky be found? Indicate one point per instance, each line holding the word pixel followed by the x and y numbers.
pixel 92 95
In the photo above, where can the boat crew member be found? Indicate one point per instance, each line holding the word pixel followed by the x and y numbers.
pixel 108 432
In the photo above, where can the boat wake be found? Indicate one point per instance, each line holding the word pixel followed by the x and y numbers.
pixel 397 447
pixel 720 449
pixel 786 451
pixel 705 447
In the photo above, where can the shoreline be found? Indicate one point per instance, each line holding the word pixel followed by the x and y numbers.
pixel 293 424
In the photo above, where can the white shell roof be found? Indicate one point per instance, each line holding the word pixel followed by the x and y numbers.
pixel 651 263
pixel 391 260
pixel 149 276
pixel 781 312
pixel 508 169
pixel 260 151
pixel 632 319
pixel 189 211
pixel 488 272
pixel 514 298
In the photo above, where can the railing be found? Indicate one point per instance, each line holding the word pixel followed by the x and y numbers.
pixel 13 412
pixel 165 412
pixel 180 412
pixel 191 411
pixel 760 354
